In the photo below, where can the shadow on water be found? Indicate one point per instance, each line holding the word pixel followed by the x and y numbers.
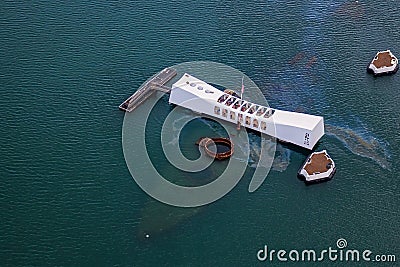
pixel 350 9
pixel 158 218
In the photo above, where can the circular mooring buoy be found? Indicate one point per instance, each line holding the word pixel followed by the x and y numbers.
pixel 206 142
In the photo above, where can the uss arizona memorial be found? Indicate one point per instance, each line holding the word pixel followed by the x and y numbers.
pixel 297 128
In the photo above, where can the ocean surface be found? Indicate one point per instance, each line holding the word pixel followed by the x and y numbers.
pixel 67 197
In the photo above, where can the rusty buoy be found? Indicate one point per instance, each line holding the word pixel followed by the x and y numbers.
pixel 206 142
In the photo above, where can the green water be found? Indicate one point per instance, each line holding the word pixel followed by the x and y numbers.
pixel 67 196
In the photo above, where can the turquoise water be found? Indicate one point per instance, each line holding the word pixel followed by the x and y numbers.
pixel 67 196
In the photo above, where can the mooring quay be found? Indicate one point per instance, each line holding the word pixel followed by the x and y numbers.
pixel 156 83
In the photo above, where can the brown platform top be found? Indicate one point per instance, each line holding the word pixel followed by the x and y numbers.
pixel 317 163
pixel 383 59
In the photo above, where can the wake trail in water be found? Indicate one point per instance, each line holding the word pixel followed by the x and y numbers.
pixel 365 146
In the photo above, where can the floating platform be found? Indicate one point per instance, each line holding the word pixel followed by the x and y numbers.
pixel 156 83
pixel 318 167
pixel 383 63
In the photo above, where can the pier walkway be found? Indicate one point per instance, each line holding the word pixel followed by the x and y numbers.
pixel 157 83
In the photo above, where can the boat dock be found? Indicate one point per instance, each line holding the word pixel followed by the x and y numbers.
pixel 157 83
